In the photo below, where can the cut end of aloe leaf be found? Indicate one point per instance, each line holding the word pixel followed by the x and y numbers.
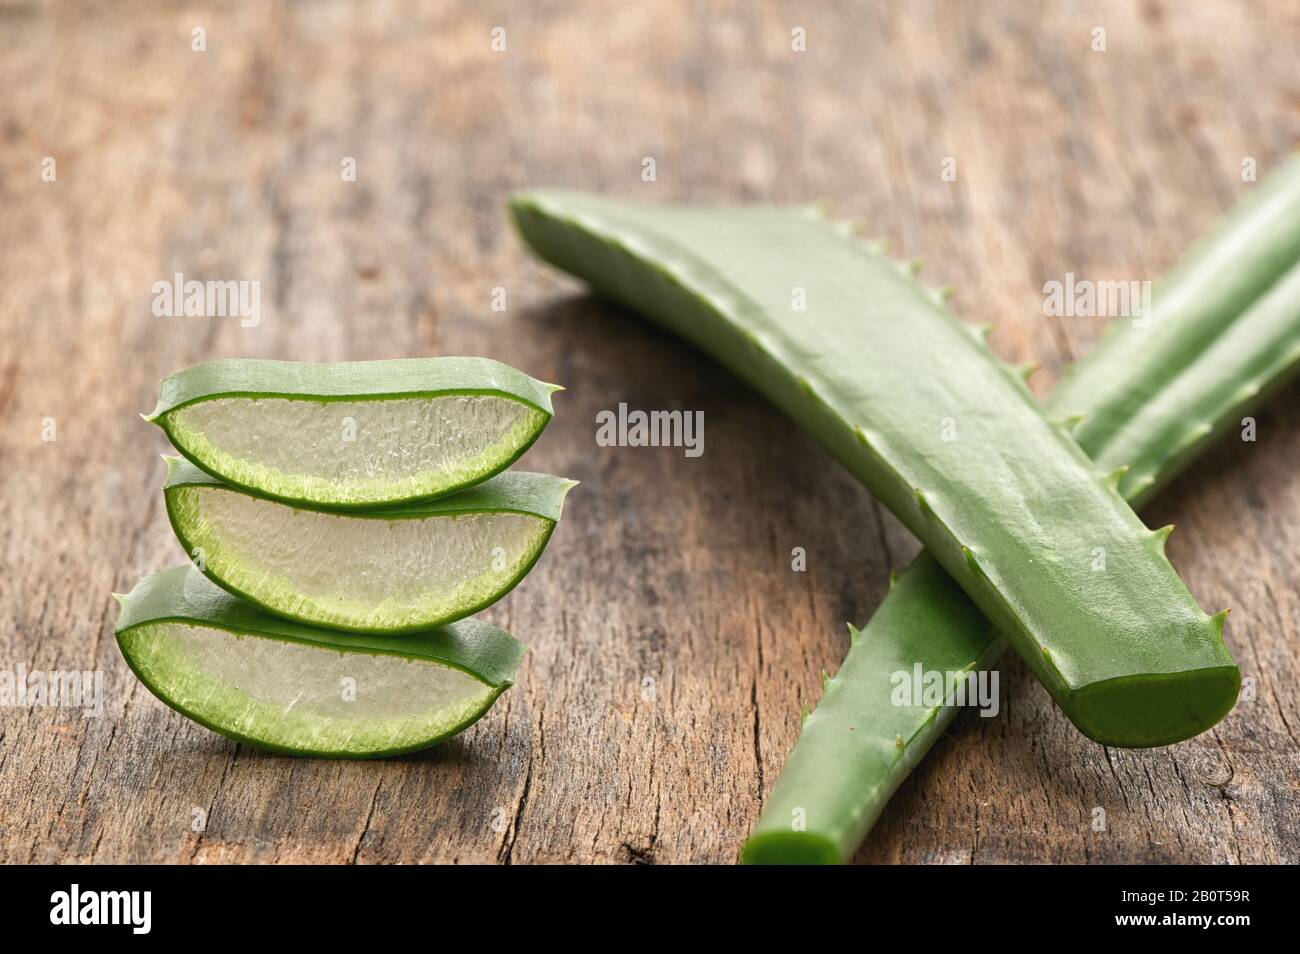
pixel 790 848
pixel 384 571
pixel 353 434
pixel 298 690
pixel 1154 705
pixel 1156 709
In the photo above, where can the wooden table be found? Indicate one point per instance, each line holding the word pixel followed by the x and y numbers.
pixel 672 645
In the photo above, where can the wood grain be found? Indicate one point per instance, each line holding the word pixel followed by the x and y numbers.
pixel 672 645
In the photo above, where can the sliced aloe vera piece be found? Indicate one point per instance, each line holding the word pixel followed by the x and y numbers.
pixel 301 690
pixel 856 747
pixel 353 434
pixel 945 435
pixel 395 570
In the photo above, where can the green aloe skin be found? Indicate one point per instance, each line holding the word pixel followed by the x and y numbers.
pixel 299 690
pixel 390 570
pixel 914 404
pixel 353 434
pixel 856 747
pixel 1225 335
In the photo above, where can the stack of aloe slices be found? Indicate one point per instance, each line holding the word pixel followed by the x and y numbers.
pixel 874 371
pixel 342 520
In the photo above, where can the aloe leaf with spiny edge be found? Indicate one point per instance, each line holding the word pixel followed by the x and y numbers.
pixel 301 690
pixel 936 427
pixel 1255 245
pixel 856 747
pixel 389 570
pixel 353 434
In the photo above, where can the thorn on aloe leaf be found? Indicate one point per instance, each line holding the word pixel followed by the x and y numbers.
pixel 1026 371
pixel 1220 618
pixel 1071 423
pixel 893 578
pixel 922 503
pixel 803 715
pixel 1114 478
pixel 826 681
pixel 1162 535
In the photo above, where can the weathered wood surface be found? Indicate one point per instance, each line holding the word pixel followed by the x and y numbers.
pixel 225 164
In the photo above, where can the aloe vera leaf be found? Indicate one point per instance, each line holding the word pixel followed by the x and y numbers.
pixel 392 570
pixel 856 747
pixel 300 690
pixel 879 373
pixel 353 434
pixel 1247 253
